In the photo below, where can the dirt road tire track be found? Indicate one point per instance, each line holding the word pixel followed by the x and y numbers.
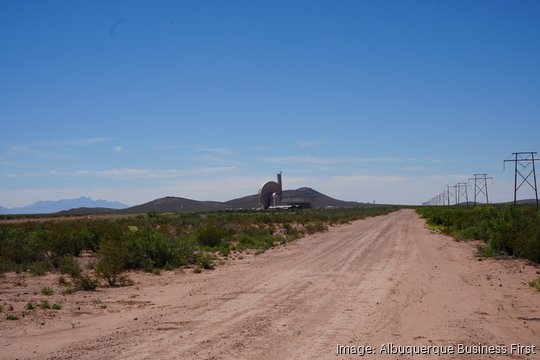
pixel 379 280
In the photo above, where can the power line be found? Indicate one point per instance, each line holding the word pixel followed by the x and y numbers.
pixel 527 176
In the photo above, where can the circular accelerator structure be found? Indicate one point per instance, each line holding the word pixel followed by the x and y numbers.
pixel 271 193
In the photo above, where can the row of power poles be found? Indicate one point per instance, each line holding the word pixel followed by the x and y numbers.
pixel 524 174
pixel 454 195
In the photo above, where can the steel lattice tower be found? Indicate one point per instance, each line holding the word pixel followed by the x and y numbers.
pixel 480 186
pixel 524 160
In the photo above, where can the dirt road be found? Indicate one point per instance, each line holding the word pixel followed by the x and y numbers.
pixel 376 281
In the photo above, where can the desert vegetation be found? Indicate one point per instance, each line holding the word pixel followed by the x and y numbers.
pixel 504 230
pixel 94 252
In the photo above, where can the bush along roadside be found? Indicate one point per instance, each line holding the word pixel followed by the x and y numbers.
pixel 505 230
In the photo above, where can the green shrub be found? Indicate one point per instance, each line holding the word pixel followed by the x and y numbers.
pixel 291 232
pixel 30 306
pixel 11 317
pixel 40 268
pixel 485 250
pixel 45 304
pixel 85 282
pixel 68 265
pixel 205 261
pixel 316 226
pixel 65 242
pixel 56 306
pixel 111 262
pixel 535 283
pixel 46 290
pixel 22 246
pixel 210 235
pixel 183 251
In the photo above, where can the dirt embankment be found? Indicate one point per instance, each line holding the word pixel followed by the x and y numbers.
pixel 376 281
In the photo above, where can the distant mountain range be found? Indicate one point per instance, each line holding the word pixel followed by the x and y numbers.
pixel 47 207
pixel 84 205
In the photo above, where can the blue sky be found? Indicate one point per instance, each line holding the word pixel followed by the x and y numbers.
pixel 362 100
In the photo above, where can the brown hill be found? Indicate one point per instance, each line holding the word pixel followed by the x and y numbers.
pixel 175 204
pixel 302 195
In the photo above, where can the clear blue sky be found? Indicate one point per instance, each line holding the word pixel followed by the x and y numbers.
pixel 362 100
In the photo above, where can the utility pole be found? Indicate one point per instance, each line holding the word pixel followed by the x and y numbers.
pixel 524 159
pixel 448 194
pixel 480 186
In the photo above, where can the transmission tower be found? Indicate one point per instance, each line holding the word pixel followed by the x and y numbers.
pixel 454 193
pixel 461 189
pixel 524 160
pixel 480 186
pixel 443 198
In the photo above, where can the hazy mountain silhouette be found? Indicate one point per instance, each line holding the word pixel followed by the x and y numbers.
pixel 47 207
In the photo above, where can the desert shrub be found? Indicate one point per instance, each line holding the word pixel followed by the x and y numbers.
pixel 45 304
pixel 316 226
pixel 535 283
pixel 40 268
pixel 516 231
pixel 485 250
pixel 66 242
pixel 11 317
pixel 159 249
pixel 68 265
pixel 292 232
pixel 205 261
pixel 21 247
pixel 85 282
pixel 112 258
pixel 56 306
pixel 224 248
pixel 30 306
pixel 47 290
pixel 210 235
pixel 5 266
pixel 183 251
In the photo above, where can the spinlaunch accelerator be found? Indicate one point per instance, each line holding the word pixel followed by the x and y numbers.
pixel 271 193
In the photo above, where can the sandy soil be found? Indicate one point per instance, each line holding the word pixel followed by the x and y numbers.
pixel 381 280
